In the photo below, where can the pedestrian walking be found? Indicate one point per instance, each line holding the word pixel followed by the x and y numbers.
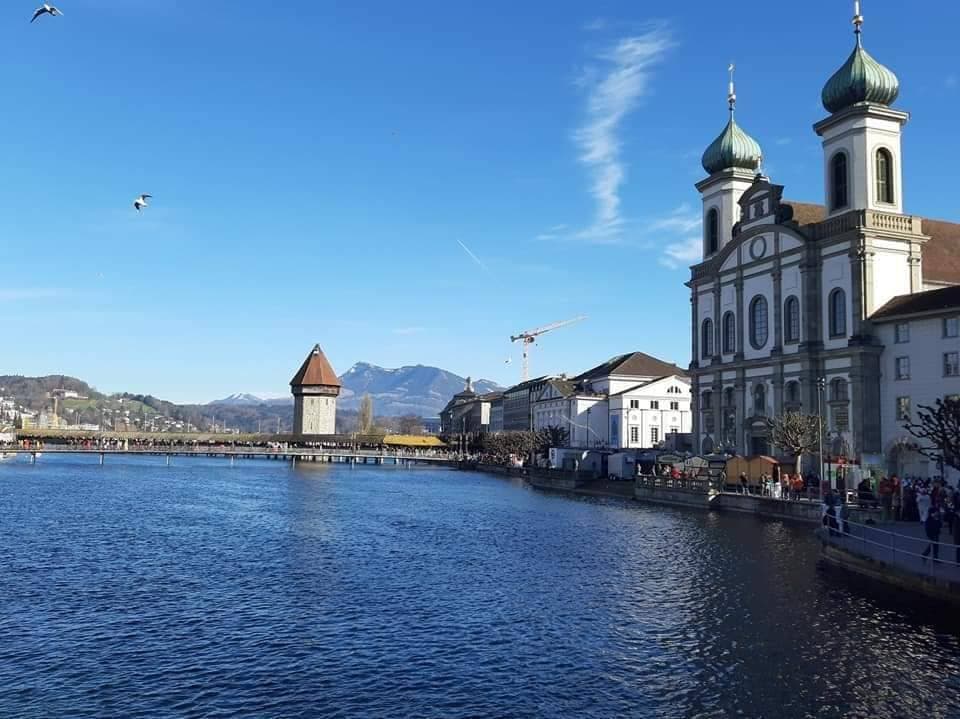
pixel 743 483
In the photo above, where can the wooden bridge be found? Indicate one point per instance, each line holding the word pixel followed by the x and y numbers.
pixel 325 455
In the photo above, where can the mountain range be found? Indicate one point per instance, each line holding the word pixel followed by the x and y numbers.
pixel 413 390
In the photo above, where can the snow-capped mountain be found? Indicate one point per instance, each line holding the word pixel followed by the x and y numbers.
pixel 247 398
pixel 417 390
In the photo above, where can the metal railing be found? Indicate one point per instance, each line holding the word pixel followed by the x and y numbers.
pixel 903 550
pixel 647 481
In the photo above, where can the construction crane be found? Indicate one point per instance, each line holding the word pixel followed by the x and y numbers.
pixel 529 338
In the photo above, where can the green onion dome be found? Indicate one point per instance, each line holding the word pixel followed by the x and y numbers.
pixel 861 79
pixel 734 149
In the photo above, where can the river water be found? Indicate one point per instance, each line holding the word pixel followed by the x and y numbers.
pixel 201 590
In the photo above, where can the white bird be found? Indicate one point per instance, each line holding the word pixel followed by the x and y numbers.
pixel 46 9
pixel 141 202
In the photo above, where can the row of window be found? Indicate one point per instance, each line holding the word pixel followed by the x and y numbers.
pixel 654 435
pixel 839 174
pixel 654 404
pixel 904 409
pixel 950 327
pixel 760 324
pixel 951 366
pixel 839 392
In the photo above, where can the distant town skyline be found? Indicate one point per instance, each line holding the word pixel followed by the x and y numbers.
pixel 401 185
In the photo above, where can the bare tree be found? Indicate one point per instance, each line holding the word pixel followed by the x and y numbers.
pixel 366 414
pixel 796 434
pixel 410 424
pixel 938 427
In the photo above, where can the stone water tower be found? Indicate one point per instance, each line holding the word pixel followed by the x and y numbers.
pixel 315 390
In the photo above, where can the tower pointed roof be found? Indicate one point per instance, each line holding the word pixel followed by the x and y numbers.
pixel 315 371
pixel 860 78
pixel 733 148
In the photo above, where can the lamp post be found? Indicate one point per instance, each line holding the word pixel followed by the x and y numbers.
pixel 821 384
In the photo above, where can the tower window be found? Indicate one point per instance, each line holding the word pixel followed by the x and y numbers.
pixel 706 340
pixel 713 231
pixel 729 333
pixel 838 176
pixel 838 313
pixel 884 176
pixel 759 324
pixel 791 320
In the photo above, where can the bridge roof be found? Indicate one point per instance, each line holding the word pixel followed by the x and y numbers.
pixel 316 371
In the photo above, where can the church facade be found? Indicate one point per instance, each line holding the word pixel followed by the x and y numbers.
pixel 782 301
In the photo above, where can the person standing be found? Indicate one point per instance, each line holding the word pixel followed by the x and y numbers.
pixel 743 483
pixel 931 526
pixel 885 489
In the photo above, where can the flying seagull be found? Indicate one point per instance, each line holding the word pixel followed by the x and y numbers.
pixel 141 202
pixel 46 9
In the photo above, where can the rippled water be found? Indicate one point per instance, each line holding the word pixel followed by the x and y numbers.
pixel 137 590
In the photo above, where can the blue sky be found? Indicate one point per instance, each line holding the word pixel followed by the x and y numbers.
pixel 318 168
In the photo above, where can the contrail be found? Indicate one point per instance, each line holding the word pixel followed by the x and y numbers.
pixel 473 256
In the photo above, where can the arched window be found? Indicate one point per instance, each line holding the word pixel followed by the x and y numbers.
pixel 729 333
pixel 838 178
pixel 838 313
pixel 706 400
pixel 793 392
pixel 706 339
pixel 759 325
pixel 839 390
pixel 729 398
pixel 760 400
pixel 884 176
pixel 791 320
pixel 713 231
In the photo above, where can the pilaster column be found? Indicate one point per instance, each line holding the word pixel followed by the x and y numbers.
pixel 695 317
pixel 741 339
pixel 777 276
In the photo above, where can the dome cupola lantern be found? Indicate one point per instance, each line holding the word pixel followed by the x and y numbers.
pixel 861 78
pixel 734 149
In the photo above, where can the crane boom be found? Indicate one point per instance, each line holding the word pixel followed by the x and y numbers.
pixel 530 337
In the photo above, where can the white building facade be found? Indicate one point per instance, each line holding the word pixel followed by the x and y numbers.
pixel 622 404
pixel 782 301
pixel 920 364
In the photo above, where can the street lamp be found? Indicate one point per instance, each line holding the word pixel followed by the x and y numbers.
pixel 821 385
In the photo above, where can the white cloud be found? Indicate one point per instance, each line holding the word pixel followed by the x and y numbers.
pixel 681 254
pixel 615 85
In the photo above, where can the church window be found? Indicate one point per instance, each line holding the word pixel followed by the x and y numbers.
pixel 884 176
pixel 838 313
pixel 839 390
pixel 838 178
pixel 760 400
pixel 729 397
pixel 713 231
pixel 791 320
pixel 729 333
pixel 793 392
pixel 706 400
pixel 706 340
pixel 759 325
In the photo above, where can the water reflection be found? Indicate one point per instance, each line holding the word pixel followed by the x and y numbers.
pixel 264 590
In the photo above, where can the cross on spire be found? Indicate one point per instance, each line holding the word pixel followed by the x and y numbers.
pixel 732 95
pixel 857 19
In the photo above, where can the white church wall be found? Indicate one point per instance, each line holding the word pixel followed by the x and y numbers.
pixel 891 278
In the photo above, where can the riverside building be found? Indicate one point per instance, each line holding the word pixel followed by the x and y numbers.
pixel 784 302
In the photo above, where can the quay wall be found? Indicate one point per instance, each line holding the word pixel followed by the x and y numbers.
pixel 937 588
